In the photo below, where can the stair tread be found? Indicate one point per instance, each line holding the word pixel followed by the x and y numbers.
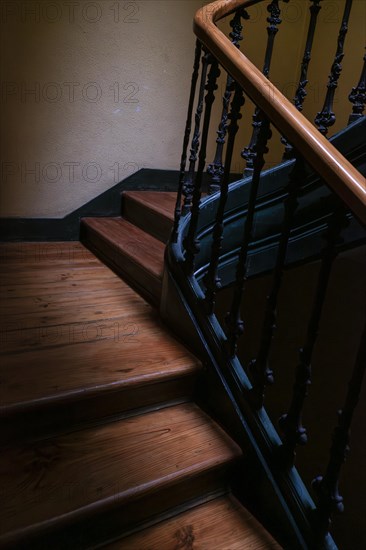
pixel 92 469
pixel 162 202
pixel 79 335
pixel 221 524
pixel 70 253
pixel 140 247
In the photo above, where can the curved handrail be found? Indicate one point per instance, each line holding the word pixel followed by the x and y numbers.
pixel 336 171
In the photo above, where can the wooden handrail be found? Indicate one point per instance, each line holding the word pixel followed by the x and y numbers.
pixel 337 172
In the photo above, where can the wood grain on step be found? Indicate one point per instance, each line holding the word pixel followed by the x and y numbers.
pixel 61 316
pixel 34 333
pixel 44 250
pixel 49 302
pixel 36 254
pixel 126 237
pixel 61 300
pixel 109 465
pixel 26 282
pixel 153 212
pixel 159 201
pixel 56 417
pixel 222 524
pixel 29 303
pixel 94 336
pixel 128 355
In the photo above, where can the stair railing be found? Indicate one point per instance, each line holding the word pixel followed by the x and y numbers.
pixel 233 235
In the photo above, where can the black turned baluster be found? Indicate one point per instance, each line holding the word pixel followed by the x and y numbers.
pixel 262 374
pixel 212 281
pixel 358 95
pixel 291 425
pixel 274 20
pixel 216 168
pixel 234 323
pixel 303 81
pixel 327 488
pixel 188 181
pixel 191 244
pixel 187 133
pixel 326 117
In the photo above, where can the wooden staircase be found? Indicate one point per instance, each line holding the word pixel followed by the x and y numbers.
pixel 103 444
pixel 134 244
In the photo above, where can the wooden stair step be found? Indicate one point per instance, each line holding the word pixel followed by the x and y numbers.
pixel 133 254
pixel 143 366
pixel 141 466
pixel 97 349
pixel 152 211
pixel 35 254
pixel 221 524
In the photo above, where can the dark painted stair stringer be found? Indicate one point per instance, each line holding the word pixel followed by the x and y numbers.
pixel 130 245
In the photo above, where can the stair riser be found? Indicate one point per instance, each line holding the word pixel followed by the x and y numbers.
pixel 147 219
pixel 87 528
pixel 42 420
pixel 144 282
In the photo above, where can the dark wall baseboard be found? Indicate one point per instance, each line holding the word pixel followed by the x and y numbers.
pixel 106 204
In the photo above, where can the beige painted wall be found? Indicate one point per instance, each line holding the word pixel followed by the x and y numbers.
pixel 122 86
pixel 93 91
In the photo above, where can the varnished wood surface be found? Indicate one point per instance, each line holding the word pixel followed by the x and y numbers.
pixel 337 172
pixel 137 245
pixel 108 465
pixel 39 254
pixel 78 345
pixel 72 328
pixel 222 524
pixel 160 201
pixel 132 253
pixel 152 211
